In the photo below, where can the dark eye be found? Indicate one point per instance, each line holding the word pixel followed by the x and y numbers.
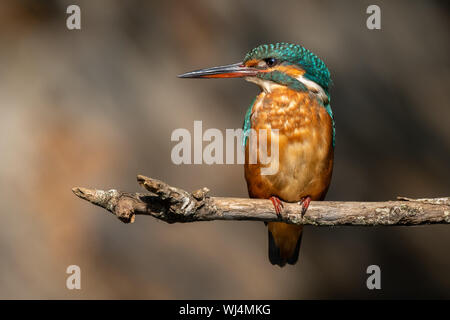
pixel 270 62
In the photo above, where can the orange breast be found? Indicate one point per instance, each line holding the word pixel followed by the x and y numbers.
pixel 305 160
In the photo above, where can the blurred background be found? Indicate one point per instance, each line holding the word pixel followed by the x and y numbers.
pixel 95 107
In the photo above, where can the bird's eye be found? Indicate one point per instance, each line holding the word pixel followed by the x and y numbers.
pixel 270 62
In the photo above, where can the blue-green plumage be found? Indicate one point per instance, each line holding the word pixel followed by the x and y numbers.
pixel 247 124
pixel 284 79
pixel 330 112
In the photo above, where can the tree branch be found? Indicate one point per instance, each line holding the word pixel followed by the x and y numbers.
pixel 172 205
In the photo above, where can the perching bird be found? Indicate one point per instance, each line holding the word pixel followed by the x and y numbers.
pixel 294 99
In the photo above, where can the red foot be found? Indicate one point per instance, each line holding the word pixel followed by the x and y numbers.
pixel 277 204
pixel 305 201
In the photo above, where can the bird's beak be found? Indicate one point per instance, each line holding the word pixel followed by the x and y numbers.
pixel 236 70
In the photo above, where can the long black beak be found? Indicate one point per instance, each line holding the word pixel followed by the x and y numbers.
pixel 236 70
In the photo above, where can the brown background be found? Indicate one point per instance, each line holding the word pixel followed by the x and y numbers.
pixel 96 107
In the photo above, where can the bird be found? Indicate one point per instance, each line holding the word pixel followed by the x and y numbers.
pixel 294 102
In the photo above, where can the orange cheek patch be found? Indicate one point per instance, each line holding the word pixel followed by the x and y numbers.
pixel 290 70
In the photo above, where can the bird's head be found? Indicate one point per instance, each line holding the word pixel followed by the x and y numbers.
pixel 270 65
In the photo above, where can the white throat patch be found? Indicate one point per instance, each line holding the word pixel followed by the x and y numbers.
pixel 314 88
pixel 268 86
pixel 265 85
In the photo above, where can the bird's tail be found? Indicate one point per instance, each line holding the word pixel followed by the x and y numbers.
pixel 284 243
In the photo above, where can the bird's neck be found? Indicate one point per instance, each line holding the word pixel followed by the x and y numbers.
pixel 268 82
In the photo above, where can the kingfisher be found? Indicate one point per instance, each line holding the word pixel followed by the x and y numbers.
pixel 294 103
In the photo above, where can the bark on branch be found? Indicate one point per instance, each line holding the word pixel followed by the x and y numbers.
pixel 172 204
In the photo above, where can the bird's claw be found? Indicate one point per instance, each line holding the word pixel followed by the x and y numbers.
pixel 304 202
pixel 277 204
